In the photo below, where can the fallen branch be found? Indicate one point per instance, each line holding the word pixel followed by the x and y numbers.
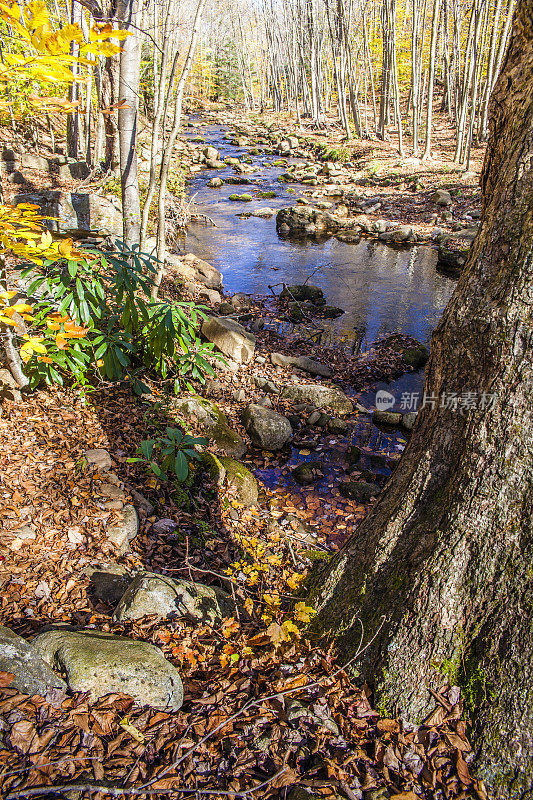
pixel 119 791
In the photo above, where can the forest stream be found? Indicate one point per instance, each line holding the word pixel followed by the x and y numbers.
pixel 383 290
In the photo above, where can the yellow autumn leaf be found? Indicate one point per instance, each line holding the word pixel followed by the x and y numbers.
pixel 31 345
pixel 294 581
pixel 290 629
pixel 303 613
pixel 230 626
pixel 249 606
pixel 132 730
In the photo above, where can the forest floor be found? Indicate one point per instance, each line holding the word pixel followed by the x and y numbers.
pixel 267 713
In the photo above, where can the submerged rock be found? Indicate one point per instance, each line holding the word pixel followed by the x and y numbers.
pixel 101 663
pixel 303 291
pixel 266 428
pixel 360 491
pixel 307 472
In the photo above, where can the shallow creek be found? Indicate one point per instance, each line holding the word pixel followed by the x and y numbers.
pixel 382 290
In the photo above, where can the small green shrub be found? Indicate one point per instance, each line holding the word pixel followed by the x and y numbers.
pixel 172 454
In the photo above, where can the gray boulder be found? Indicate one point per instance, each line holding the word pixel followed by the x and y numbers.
pixel 75 211
pixel 101 663
pixel 100 458
pixel 266 428
pixel 32 674
pixel 215 183
pixel 323 397
pixel 211 153
pixel 170 598
pixel 304 220
pixel 402 235
pixel 214 423
pixel 441 197
pixel 230 337
pixel 124 531
pixel 192 268
pixel 301 362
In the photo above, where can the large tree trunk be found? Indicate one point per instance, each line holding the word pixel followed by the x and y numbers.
pixel 444 561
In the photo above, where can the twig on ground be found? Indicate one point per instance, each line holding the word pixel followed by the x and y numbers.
pixel 252 703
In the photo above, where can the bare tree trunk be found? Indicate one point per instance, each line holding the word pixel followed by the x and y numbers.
pixel 129 16
pixel 431 79
pixel 73 119
pixel 440 571
pixel 169 148
pixel 160 89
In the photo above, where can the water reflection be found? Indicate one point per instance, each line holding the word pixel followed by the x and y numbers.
pixel 382 289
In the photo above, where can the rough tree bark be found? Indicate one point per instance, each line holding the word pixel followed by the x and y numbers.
pixel 445 557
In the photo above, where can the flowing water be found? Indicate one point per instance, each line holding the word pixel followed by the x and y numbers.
pixel 382 290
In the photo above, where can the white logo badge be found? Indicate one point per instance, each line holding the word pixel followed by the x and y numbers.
pixel 384 400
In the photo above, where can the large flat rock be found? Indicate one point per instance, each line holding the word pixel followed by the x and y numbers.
pixel 323 397
pixel 77 211
pixel 101 663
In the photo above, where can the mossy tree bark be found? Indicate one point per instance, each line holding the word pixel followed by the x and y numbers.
pixel 446 556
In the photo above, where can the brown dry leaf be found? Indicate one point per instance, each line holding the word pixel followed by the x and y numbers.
pixel 6 678
pixel 462 769
pixel 287 778
pixel 22 735
pixel 388 726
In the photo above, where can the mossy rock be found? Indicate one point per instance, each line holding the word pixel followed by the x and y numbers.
pixel 214 423
pixel 243 198
pixel 228 471
pixel 415 357
pixel 360 491
pixel 266 195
